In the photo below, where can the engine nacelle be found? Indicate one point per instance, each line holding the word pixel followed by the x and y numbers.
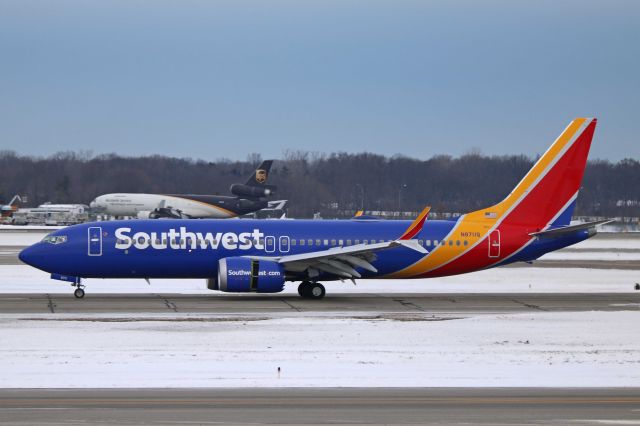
pixel 252 191
pixel 243 275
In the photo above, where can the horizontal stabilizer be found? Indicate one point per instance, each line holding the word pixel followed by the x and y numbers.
pixel 569 229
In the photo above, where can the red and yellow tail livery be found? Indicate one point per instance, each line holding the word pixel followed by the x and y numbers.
pixel 545 197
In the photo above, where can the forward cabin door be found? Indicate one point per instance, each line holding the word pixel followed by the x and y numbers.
pixel 94 241
pixel 270 244
pixel 284 244
pixel 494 244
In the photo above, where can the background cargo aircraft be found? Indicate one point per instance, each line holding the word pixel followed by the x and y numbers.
pixel 260 256
pixel 249 197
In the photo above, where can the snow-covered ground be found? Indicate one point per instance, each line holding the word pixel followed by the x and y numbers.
pixel 24 279
pixel 540 349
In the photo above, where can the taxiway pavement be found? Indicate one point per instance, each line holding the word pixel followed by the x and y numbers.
pixel 496 406
pixel 334 303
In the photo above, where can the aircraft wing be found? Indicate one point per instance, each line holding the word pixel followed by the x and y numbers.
pixel 342 261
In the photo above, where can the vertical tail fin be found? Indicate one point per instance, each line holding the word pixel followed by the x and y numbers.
pixel 546 195
pixel 261 174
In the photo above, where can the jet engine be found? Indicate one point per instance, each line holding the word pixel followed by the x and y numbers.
pixel 145 215
pixel 244 275
pixel 252 191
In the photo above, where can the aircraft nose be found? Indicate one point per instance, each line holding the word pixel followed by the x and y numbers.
pixel 28 256
pixel 34 256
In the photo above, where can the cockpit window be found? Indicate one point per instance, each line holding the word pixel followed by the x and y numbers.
pixel 55 239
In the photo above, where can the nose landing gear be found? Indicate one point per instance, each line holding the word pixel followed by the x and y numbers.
pixel 79 292
pixel 311 290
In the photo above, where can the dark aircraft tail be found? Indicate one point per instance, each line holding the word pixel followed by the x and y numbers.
pixel 256 187
pixel 261 174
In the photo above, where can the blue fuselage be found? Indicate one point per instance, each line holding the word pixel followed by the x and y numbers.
pixel 192 248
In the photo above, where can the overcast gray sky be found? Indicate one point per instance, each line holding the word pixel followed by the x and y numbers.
pixel 211 79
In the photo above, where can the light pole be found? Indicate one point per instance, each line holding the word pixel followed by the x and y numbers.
pixel 362 198
pixel 403 186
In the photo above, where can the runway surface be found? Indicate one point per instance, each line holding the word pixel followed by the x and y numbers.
pixel 499 406
pixel 335 304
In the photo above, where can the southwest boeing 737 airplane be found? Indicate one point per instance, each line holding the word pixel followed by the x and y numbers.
pixel 260 256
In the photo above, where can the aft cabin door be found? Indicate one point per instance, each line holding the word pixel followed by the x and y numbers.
pixel 494 244
pixel 95 241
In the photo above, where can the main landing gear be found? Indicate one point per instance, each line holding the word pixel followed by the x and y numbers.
pixel 311 290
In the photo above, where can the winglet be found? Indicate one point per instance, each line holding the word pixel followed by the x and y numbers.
pixel 415 227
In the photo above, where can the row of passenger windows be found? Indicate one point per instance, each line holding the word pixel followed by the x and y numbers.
pixel 333 243
pixel 311 242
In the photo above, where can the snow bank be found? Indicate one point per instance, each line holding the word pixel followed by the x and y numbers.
pixel 542 349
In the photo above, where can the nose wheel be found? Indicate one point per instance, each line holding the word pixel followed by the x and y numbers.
pixel 79 291
pixel 309 290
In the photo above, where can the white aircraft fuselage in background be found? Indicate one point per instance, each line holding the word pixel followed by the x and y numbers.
pixel 247 198
pixel 143 205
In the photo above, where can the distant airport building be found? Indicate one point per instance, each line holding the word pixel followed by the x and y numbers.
pixel 52 215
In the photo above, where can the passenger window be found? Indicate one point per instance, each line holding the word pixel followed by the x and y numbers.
pixel 365 241
pixel 302 242
pixel 348 242
pixel 450 243
pixel 326 242
pixel 309 242
pixel 457 242
pixel 428 243
pixel 293 242
pixel 340 243
pixel 466 242
pixel 333 242
pixel 421 242
pixel 317 242
pixel 357 241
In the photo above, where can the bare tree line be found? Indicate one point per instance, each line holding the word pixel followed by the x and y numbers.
pixel 333 184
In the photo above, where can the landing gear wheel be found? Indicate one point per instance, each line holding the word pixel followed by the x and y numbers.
pixel 304 289
pixel 79 293
pixel 317 291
